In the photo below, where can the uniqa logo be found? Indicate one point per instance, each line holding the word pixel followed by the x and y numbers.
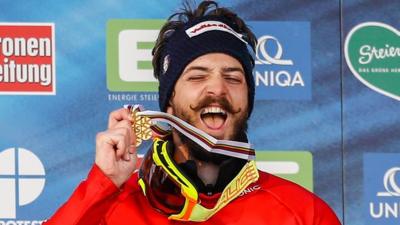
pixel 282 78
pixel 21 180
pixel 267 59
pixel 387 209
pixel 389 182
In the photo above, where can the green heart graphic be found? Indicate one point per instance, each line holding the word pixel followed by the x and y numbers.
pixel 372 52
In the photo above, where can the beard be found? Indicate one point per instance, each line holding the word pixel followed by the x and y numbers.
pixel 195 150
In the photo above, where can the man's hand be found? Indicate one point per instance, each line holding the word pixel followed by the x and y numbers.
pixel 115 148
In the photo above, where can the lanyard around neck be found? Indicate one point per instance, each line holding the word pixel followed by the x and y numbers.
pixel 145 122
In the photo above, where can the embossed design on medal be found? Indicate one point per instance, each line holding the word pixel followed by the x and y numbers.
pixel 141 126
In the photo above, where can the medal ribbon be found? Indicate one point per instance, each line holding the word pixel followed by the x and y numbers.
pixel 146 122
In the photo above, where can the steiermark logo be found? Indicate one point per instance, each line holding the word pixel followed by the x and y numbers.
pixel 129 45
pixel 296 166
pixel 372 52
pixel 22 180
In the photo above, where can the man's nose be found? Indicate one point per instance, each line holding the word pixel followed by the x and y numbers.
pixel 216 86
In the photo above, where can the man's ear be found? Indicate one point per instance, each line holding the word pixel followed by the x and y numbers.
pixel 170 110
pixel 169 107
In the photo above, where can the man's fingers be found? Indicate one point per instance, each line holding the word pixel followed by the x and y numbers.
pixel 117 140
pixel 132 149
pixel 121 119
pixel 117 116
pixel 115 151
pixel 127 125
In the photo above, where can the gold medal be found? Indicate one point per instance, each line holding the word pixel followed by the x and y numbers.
pixel 141 126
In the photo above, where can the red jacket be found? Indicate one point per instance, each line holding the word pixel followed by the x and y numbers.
pixel 270 201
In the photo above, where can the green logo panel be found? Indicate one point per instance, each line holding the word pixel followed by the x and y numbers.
pixel 372 52
pixel 296 166
pixel 129 45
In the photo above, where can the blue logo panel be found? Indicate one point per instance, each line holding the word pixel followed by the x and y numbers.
pixel 283 60
pixel 382 188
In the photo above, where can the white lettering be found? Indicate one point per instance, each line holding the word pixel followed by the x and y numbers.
pixel 250 189
pixel 368 53
pixel 391 210
pixel 11 72
pixel 122 97
pixel 23 47
pixel 297 79
pixel 149 97
pixel 32 47
pixel 386 210
pixel 261 78
pixel 372 211
pixel 395 70
pixel 286 78
pixel 7 46
pixel 280 78
pixel 19 43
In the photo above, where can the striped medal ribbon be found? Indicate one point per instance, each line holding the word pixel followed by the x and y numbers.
pixel 146 122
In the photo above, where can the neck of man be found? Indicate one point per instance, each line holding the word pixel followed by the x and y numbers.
pixel 206 171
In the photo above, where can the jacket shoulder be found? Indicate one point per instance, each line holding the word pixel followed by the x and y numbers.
pixel 296 199
pixel 285 191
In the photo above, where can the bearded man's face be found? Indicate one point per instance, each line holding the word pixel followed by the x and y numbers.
pixel 212 95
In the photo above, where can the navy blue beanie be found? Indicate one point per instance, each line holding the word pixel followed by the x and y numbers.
pixel 209 34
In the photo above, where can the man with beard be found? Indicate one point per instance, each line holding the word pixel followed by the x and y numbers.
pixel 204 68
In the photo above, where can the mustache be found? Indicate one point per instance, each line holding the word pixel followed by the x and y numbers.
pixel 222 101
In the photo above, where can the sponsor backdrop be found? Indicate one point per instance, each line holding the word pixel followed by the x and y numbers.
pixel 326 111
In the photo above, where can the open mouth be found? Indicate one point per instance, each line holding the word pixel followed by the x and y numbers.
pixel 213 117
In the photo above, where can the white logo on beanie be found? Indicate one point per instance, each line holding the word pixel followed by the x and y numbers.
pixel 165 64
pixel 212 26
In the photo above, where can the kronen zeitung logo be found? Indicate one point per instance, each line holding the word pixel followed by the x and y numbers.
pixel 27 59
pixel 385 209
pixel 22 180
pixel 372 52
